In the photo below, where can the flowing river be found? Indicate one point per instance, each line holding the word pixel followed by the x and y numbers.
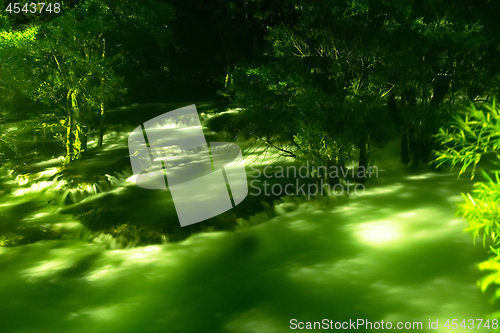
pixel 396 253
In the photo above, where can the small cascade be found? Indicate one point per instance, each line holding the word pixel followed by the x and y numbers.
pixel 74 195
pixel 49 199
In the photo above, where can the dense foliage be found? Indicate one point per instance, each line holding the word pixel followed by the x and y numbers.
pixel 465 141
pixel 349 75
pixel 323 81
pixel 74 64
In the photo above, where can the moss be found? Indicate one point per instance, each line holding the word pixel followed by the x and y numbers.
pixel 100 222
pixel 28 236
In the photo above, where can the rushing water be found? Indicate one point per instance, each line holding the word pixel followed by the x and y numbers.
pixel 395 253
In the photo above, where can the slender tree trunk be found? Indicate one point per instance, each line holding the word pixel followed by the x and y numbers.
pixel 403 128
pixel 78 132
pixel 83 135
pixel 69 129
pixel 393 109
pixel 228 47
pixel 439 91
pixel 229 77
pixel 101 126
pixel 410 98
pixel 405 155
pixel 101 121
pixel 363 159
pixel 69 141
pixel 414 146
pixel 425 150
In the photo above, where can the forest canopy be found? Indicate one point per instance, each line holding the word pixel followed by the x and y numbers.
pixel 346 75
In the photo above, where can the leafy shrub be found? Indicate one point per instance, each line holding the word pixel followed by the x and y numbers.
pixel 470 136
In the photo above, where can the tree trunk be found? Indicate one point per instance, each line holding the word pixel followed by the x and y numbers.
pixel 363 159
pixel 393 109
pixel 225 34
pixel 69 129
pixel 405 155
pixel 394 113
pixel 69 140
pixel 101 121
pixel 439 91
pixel 101 126
pixel 414 146
pixel 76 138
pixel 425 150
pixel 78 134
pixel 229 77
pixel 83 138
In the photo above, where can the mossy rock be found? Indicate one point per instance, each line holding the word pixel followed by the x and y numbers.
pixel 29 236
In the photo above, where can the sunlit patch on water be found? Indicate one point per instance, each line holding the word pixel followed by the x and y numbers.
pixel 427 176
pixel 23 179
pixel 100 314
pixel 301 225
pixel 407 195
pixel 455 198
pixel 353 270
pixel 117 263
pixel 47 268
pixel 401 228
pixel 107 273
pixel 54 161
pixel 378 233
pixel 384 190
pixel 56 261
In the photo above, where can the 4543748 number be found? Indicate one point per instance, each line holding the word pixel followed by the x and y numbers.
pixel 471 324
pixel 33 7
